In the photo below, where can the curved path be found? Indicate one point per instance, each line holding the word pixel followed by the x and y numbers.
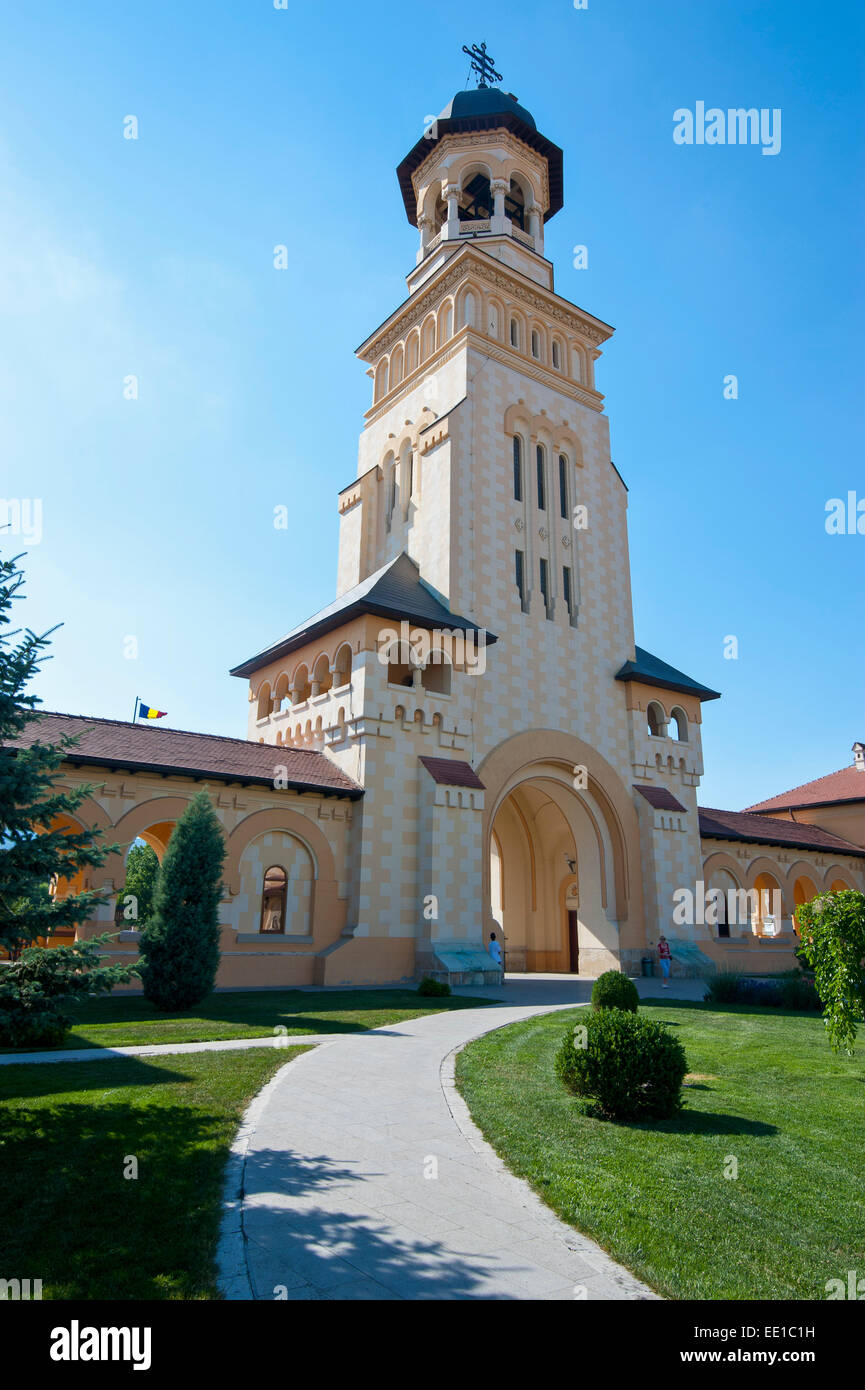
pixel 360 1175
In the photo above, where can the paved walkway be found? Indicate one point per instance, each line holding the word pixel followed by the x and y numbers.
pixel 360 1175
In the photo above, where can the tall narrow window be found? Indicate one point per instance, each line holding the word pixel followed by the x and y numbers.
pixel 518 469
pixel 515 334
pixel 563 485
pixel 556 359
pixel 566 589
pixel 520 575
pixel 545 585
pixel 542 495
pixel 273 900
pixel 536 344
pixel 409 464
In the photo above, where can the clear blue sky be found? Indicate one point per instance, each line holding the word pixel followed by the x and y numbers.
pixel 260 126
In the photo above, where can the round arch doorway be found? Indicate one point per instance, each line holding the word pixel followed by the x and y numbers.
pixel 551 872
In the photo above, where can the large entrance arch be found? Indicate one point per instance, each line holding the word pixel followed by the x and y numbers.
pixel 562 860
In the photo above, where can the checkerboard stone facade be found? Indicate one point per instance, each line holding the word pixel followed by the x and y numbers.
pixel 400 881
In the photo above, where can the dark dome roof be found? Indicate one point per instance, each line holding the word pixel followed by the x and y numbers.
pixel 485 108
pixel 485 101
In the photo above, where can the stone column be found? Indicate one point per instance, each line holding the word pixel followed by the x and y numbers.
pixel 499 188
pixel 451 193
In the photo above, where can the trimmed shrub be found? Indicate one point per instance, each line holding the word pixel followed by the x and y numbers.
pixel 613 990
pixel 433 989
pixel 630 1066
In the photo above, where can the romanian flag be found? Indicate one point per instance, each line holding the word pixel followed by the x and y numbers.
pixel 145 712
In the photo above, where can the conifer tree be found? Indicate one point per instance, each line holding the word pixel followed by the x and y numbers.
pixel 35 850
pixel 180 943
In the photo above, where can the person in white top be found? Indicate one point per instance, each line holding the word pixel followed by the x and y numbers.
pixel 495 949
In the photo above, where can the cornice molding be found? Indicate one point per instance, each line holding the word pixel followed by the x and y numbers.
pixel 469 263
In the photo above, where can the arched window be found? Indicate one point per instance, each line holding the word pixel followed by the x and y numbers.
pixel 515 205
pixel 342 666
pixel 476 204
pixel 273 900
pixel 536 343
pixel 300 687
pixel 436 675
pixel 518 469
pixel 542 485
pixel 411 353
pixel 656 720
pixel 391 493
pixel 321 677
pixel 563 486
pixel 515 334
pixel 264 700
pixel 680 719
pixel 557 357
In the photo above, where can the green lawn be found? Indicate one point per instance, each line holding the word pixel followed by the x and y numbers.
pixel 71 1218
pixel 119 1021
pixel 770 1094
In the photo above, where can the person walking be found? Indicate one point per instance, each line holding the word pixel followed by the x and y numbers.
pixel 665 959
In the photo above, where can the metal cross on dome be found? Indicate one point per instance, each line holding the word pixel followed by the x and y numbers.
pixel 482 65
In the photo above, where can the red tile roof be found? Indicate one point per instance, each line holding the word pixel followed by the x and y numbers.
pixel 451 772
pixel 141 747
pixel 848 784
pixel 743 825
pixel 660 797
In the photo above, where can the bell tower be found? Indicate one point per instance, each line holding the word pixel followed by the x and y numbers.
pixel 499 756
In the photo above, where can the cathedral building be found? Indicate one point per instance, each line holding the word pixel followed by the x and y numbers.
pixel 467 740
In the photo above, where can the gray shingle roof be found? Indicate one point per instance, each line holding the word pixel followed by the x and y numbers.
pixel 654 671
pixel 394 591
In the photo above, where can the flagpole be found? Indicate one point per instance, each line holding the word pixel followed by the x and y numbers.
pixel 135 710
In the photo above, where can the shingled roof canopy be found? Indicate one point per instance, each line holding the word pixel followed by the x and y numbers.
pixel 741 825
pixel 395 591
pixel 114 744
pixel 653 671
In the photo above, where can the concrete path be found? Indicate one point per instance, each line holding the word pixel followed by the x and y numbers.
pixel 360 1175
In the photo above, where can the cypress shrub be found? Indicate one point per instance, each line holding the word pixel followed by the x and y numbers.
pixel 180 943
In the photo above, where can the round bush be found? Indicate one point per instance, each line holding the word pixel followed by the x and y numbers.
pixel 613 990
pixel 435 989
pixel 630 1066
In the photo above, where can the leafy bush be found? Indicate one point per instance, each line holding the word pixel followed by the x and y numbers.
pixel 613 990
pixel 791 991
pixel 434 989
pixel 630 1066
pixel 798 992
pixel 833 940
pixel 723 988
pixel 35 988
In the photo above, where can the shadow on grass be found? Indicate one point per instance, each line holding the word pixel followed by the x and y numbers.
pixel 303 1240
pixel 708 1006
pixel 695 1122
pixel 76 1222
